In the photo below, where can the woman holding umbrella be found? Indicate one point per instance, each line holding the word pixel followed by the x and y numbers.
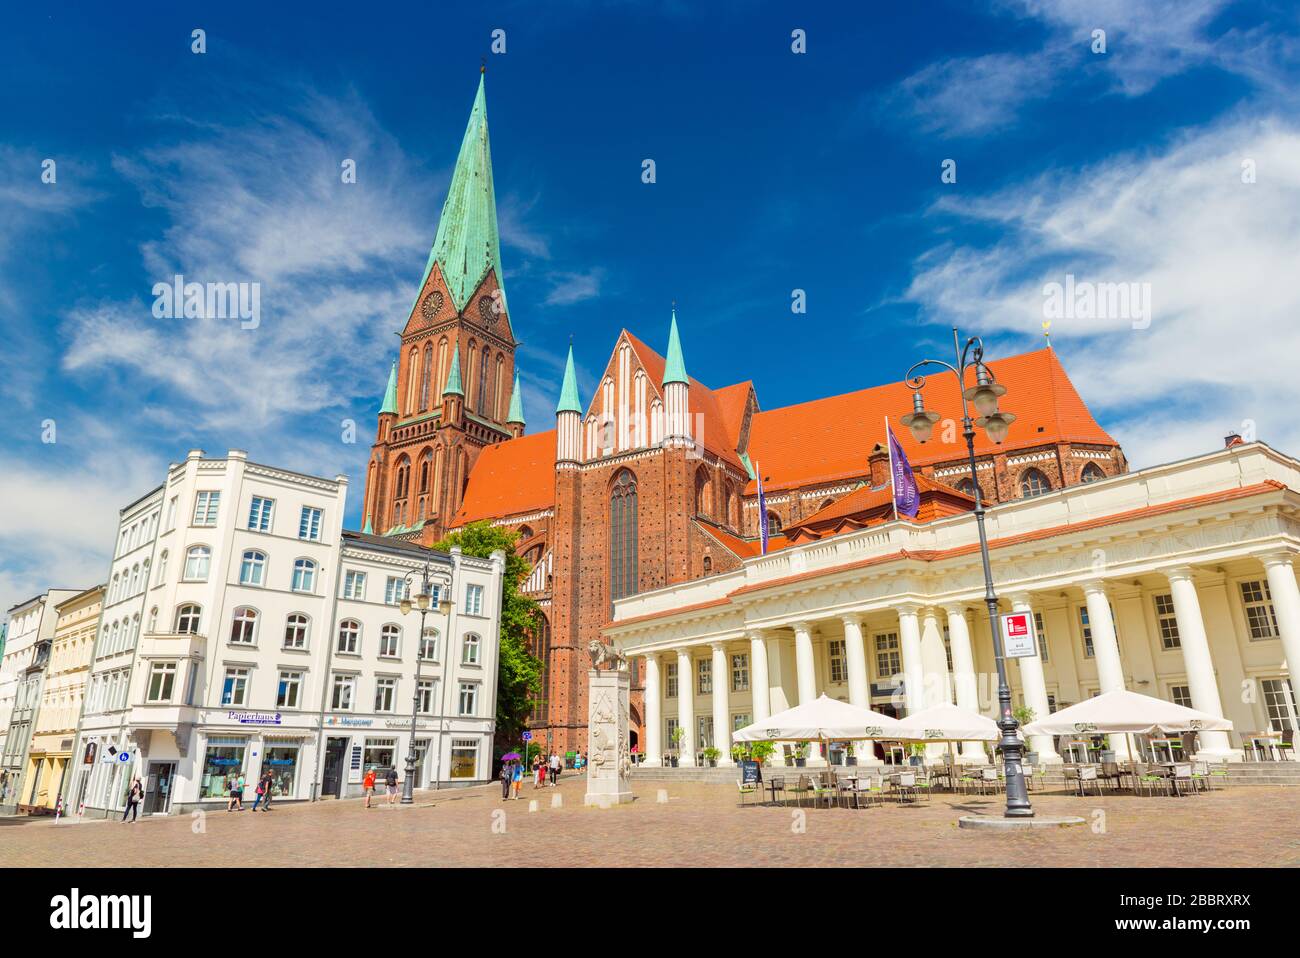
pixel 507 773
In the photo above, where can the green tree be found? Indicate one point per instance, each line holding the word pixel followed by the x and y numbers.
pixel 519 674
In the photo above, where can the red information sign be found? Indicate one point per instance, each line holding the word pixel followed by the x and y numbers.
pixel 1018 635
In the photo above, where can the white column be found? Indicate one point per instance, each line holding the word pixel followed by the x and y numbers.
pixel 721 706
pixel 934 660
pixel 909 639
pixel 1201 680
pixel 686 708
pixel 1105 650
pixel 1034 686
pixel 806 678
pixel 855 660
pixel 758 681
pixel 654 713
pixel 1285 594
pixel 963 667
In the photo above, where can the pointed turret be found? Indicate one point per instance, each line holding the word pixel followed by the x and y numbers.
pixel 467 244
pixel 675 366
pixel 515 418
pixel 677 390
pixel 568 419
pixel 453 395
pixel 390 394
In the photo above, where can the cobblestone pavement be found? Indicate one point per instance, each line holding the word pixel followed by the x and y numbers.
pixel 700 824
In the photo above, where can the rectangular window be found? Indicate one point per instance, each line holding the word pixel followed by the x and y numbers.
pixel 396 590
pixel 464 758
pixel 1279 701
pixel 385 694
pixel 672 730
pixel 1086 628
pixel 344 688
pixel 704 672
pixel 171 514
pixel 425 693
pixel 888 659
pixel 222 764
pixel 162 682
pixel 205 508
pixel 703 731
pixel 1260 617
pixel 1167 622
pixel 740 672
pixel 259 514
pixel 1041 634
pixel 234 690
pixel 947 647
pixel 739 720
pixel 289 691
pixel 469 655
pixel 354 585
pixel 309 524
pixel 836 650
pixel 670 680
pixel 429 645
pixel 473 600
pixel 468 698
pixel 1181 695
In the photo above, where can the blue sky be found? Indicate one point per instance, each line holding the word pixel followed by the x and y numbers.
pixel 776 171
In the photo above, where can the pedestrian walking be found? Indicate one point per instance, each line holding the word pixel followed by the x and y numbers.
pixel 539 772
pixel 133 799
pixel 368 785
pixel 555 769
pixel 390 782
pixel 517 778
pixel 263 792
pixel 232 792
pixel 240 785
pixel 507 769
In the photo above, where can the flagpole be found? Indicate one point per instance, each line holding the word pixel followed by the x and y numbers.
pixel 893 491
pixel 762 510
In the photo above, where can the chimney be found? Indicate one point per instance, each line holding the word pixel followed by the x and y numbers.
pixel 878 462
pixel 1232 439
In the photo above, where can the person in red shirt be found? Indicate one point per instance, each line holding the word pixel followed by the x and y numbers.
pixel 368 783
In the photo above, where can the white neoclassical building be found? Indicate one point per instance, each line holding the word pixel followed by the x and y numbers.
pixel 1177 581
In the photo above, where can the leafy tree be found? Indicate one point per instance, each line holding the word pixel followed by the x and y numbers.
pixel 519 674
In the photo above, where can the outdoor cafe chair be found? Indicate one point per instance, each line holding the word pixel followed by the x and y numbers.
pixel 1112 774
pixel 1146 778
pixel 1087 778
pixel 821 792
pixel 863 791
pixel 989 780
pixel 904 785
pixel 924 785
pixel 1027 771
pixel 801 788
pixel 1201 775
pixel 1182 778
pixel 748 788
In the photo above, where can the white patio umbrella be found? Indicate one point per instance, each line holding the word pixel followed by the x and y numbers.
pixel 948 724
pixel 1123 711
pixel 825 720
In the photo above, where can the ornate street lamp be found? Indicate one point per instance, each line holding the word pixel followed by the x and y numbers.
pixel 984 395
pixel 423 602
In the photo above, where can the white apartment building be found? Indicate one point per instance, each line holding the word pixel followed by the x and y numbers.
pixel 99 781
pixel 237 667
pixel 22 675
pixel 1177 581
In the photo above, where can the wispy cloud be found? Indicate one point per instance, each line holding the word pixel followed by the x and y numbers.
pixel 570 288
pixel 1217 252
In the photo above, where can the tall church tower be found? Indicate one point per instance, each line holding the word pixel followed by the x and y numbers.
pixel 450 390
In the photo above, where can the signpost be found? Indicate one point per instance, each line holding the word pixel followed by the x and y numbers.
pixel 1018 635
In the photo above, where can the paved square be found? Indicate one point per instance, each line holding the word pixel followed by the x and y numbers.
pixel 701 825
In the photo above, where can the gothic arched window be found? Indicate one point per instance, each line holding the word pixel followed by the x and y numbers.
pixel 412 374
pixel 622 536
pixel 442 366
pixel 773 524
pixel 425 374
pixel 1091 473
pixel 967 486
pixel 484 384
pixel 703 493
pixel 426 464
pixel 1033 483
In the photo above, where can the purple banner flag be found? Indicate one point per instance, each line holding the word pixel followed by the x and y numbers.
pixel 762 510
pixel 906 496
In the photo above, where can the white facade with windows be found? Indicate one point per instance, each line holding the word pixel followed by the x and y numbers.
pixel 1177 581
pixel 254 588
pixel 22 679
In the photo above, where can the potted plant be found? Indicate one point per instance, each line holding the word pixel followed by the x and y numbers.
pixel 1024 715
pixel 711 754
pixel 679 733
pixel 739 752
pixel 761 751
pixel 917 750
pixel 801 754
pixel 850 754
pixel 1107 753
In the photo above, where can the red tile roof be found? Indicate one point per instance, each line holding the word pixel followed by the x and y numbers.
pixel 510 478
pixel 830 439
pixel 744 548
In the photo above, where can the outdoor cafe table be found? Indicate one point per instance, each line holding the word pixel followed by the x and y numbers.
pixel 1265 744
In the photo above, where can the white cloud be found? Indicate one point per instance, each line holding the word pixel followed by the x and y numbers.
pixel 570 288
pixel 1220 256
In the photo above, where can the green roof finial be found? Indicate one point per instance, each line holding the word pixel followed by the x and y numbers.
pixel 390 394
pixel 368 529
pixel 467 244
pixel 454 388
pixel 516 404
pixel 675 368
pixel 569 401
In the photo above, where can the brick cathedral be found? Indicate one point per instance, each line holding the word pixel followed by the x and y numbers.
pixel 654 479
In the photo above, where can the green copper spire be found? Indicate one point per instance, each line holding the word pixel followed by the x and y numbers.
pixel 390 394
pixel 453 378
pixel 467 244
pixel 369 529
pixel 516 404
pixel 675 368
pixel 569 389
